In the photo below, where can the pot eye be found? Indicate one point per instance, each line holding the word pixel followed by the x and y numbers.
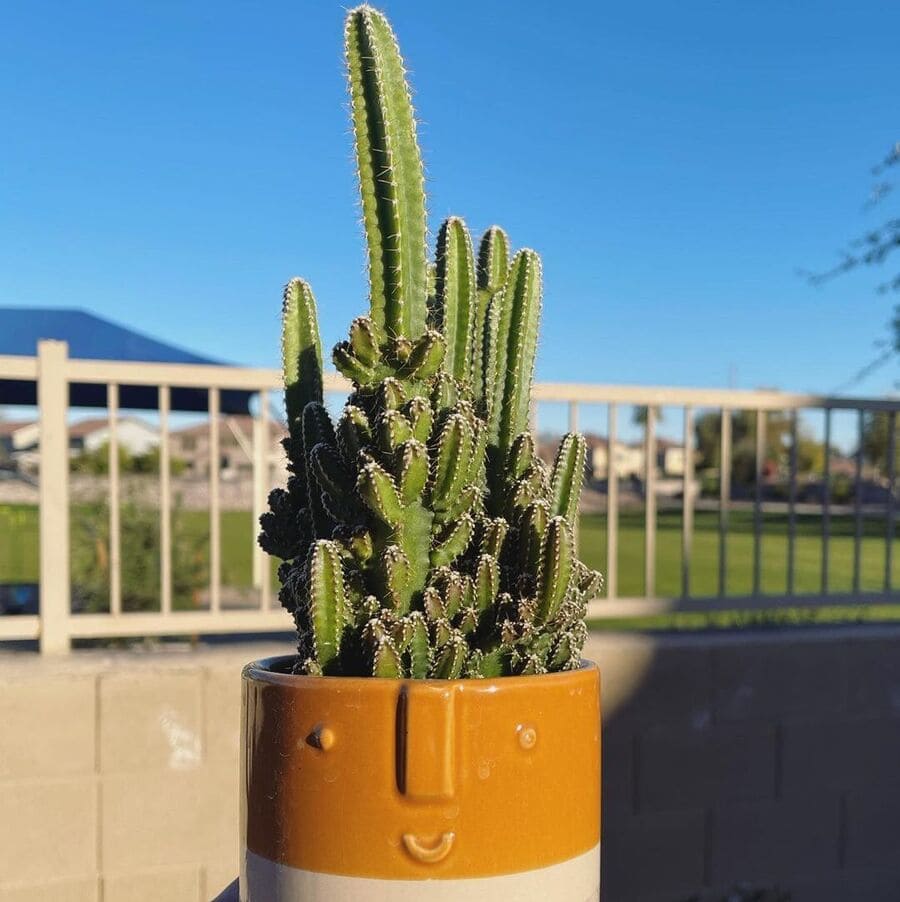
pixel 321 738
pixel 527 736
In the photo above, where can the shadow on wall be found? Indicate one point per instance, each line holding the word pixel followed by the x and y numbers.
pixel 752 766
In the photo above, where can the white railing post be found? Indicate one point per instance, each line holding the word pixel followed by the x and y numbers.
pixel 53 403
pixel 260 485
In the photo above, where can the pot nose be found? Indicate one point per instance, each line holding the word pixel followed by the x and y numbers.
pixel 426 742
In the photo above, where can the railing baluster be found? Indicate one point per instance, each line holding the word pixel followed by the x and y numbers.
pixel 612 507
pixel 215 538
pixel 891 475
pixel 266 581
pixel 826 502
pixel 724 497
pixel 165 503
pixel 792 505
pixel 650 503
pixel 573 427
pixel 115 538
pixel 857 503
pixel 257 460
pixel 757 501
pixel 53 510
pixel 687 502
pixel 261 442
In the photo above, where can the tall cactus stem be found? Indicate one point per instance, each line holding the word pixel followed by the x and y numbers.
pixel 455 295
pixel 326 601
pixel 493 263
pixel 556 568
pixel 391 178
pixel 301 352
pixel 567 476
pixel 516 349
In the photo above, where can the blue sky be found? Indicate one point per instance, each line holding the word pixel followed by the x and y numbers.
pixel 169 165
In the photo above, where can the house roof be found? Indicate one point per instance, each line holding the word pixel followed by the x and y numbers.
pixel 91 337
pixel 10 427
pixel 81 428
pixel 243 422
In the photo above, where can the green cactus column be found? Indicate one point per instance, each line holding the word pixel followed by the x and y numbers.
pixel 391 178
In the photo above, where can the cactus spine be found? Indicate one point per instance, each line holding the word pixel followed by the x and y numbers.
pixel 421 536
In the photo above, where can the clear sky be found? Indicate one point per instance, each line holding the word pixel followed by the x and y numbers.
pixel 169 165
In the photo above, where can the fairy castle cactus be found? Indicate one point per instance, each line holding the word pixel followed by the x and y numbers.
pixel 421 535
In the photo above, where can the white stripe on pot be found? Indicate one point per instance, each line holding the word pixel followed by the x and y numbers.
pixel 575 880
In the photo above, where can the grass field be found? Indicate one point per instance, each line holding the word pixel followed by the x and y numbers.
pixel 19 555
pixel 739 553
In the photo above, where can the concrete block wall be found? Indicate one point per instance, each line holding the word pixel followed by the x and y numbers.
pixel 763 758
pixel 767 759
pixel 118 776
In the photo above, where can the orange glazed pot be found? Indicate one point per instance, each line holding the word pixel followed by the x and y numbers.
pixel 364 789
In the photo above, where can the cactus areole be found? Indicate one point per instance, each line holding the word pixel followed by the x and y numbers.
pixel 425 544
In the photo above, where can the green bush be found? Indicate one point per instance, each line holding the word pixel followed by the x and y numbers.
pixel 140 558
pixel 96 462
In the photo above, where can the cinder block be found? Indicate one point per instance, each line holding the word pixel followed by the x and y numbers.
pixel 764 680
pixel 653 853
pixel 617 772
pixel 222 713
pixel 873 828
pixel 48 727
pixel 171 885
pixel 686 768
pixel 48 828
pixel 86 889
pixel 766 842
pixel 151 719
pixel 672 685
pixel 622 668
pixel 819 756
pixel 216 877
pixel 874 676
pixel 156 820
pixel 849 886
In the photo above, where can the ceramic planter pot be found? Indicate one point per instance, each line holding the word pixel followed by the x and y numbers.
pixel 364 789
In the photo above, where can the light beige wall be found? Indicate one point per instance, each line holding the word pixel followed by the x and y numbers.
pixel 118 775
pixel 766 758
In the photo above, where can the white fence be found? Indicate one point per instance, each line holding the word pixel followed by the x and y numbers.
pixel 56 625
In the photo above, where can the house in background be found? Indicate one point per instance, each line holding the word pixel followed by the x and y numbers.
pixel 191 446
pixel 17 436
pixel 20 440
pixel 134 435
pixel 628 458
pixel 670 457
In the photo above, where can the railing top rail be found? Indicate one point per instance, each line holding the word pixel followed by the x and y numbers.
pixel 177 375
pixel 18 367
pixel 174 375
pixel 734 399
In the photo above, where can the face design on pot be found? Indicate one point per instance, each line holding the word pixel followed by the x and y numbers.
pixel 423 778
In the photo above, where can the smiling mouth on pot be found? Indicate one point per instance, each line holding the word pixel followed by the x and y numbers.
pixel 428 853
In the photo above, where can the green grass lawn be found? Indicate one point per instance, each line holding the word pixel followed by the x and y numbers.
pixel 19 542
pixel 19 557
pixel 740 545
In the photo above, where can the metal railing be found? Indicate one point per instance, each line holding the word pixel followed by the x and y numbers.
pixel 56 626
pixel 727 402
